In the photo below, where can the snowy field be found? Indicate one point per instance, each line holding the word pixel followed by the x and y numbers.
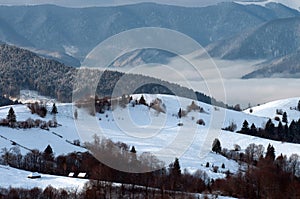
pixel 16 178
pixel 150 131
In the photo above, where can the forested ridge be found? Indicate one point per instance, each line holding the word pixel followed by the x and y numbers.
pixel 22 69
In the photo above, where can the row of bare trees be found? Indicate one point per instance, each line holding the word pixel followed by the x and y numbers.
pixel 162 179
pixel 268 179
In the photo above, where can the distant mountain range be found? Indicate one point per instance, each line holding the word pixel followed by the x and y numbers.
pixel 227 30
pixel 273 39
pixel 64 32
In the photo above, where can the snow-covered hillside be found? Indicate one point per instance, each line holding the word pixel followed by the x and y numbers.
pixel 269 109
pixel 36 138
pixel 17 178
pixel 150 131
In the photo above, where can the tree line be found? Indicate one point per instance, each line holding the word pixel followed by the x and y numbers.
pixel 263 176
pixel 268 178
pixel 161 177
pixel 282 132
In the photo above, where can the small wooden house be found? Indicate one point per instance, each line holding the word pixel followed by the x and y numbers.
pixel 34 175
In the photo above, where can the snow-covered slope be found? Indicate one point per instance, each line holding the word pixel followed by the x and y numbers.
pixel 269 109
pixel 36 138
pixel 153 132
pixel 17 178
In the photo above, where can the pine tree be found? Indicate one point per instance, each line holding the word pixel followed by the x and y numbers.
pixel 142 101
pixel 133 149
pixel 293 131
pixel 48 150
pixel 270 155
pixel 216 146
pixel 11 116
pixel 253 129
pixel 245 128
pixel 176 168
pixel 54 109
pixel 280 131
pixel 284 117
pixel 298 106
pixel 175 174
pixel 269 128
pixel 48 153
pixel 179 113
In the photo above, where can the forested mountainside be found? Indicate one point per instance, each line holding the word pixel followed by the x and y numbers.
pixel 22 69
pixel 274 39
pixel 286 66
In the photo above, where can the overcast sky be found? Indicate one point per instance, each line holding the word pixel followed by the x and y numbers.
pixel 87 3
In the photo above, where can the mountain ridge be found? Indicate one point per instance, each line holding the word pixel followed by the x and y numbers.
pixel 22 69
pixel 53 28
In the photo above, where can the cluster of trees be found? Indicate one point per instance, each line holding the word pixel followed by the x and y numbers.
pixel 100 105
pixel 37 108
pixel 4 101
pixel 33 161
pixel 92 191
pixel 11 121
pixel 41 109
pixel 37 193
pixel 265 177
pixel 170 178
pixel 281 132
pixel 254 153
pixel 268 178
pixel 160 177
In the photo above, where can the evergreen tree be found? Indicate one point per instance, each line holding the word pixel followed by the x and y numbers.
pixel 54 109
pixel 133 150
pixel 175 174
pixel 270 153
pixel 143 101
pixel 269 127
pixel 179 113
pixel 293 131
pixel 48 157
pixel 48 150
pixel 11 116
pixel 48 153
pixel 176 171
pixel 245 128
pixel 286 131
pixel 298 106
pixel 280 131
pixel 284 117
pixel 253 129
pixel 216 146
